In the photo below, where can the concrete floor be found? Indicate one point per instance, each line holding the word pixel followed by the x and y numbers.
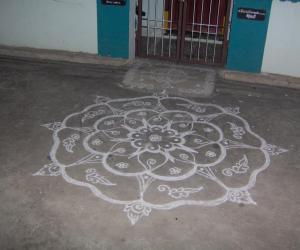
pixel 62 208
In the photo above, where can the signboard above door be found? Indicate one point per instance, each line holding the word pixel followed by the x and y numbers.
pixel 114 2
pixel 251 14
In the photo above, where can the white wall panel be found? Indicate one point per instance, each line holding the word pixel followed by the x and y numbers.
pixel 49 24
pixel 282 51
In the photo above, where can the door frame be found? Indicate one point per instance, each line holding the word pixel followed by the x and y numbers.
pixel 181 36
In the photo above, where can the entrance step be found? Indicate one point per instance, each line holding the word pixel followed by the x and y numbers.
pixel 184 80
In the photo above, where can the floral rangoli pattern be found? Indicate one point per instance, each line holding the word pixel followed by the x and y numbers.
pixel 159 153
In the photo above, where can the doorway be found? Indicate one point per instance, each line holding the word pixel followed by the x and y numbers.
pixel 194 31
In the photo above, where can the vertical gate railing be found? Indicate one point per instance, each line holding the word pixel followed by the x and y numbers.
pixel 194 31
pixel 158 30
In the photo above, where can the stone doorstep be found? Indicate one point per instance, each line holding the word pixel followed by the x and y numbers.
pixel 59 55
pixel 262 78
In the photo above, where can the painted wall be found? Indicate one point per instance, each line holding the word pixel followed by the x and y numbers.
pixel 49 24
pixel 113 24
pixel 282 51
pixel 248 37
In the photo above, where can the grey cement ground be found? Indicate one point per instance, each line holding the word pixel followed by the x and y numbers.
pixel 48 213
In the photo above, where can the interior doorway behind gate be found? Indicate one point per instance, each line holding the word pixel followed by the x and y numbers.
pixel 193 31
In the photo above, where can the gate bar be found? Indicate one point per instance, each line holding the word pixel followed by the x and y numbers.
pixel 200 30
pixel 217 29
pixel 148 26
pixel 163 29
pixel 226 31
pixel 194 10
pixel 155 24
pixel 171 24
pixel 208 31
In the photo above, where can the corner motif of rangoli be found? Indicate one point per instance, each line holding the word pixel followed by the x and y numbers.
pixel 164 151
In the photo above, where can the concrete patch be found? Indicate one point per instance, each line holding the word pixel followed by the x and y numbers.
pixel 175 79
pixel 39 212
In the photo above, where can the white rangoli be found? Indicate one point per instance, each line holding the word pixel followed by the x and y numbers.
pixel 159 152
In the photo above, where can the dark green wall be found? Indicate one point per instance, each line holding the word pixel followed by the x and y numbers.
pixel 248 37
pixel 113 30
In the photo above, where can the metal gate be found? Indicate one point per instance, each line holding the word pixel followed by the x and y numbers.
pixel 194 31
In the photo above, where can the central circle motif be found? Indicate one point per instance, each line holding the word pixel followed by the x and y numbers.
pixel 157 146
pixel 155 138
